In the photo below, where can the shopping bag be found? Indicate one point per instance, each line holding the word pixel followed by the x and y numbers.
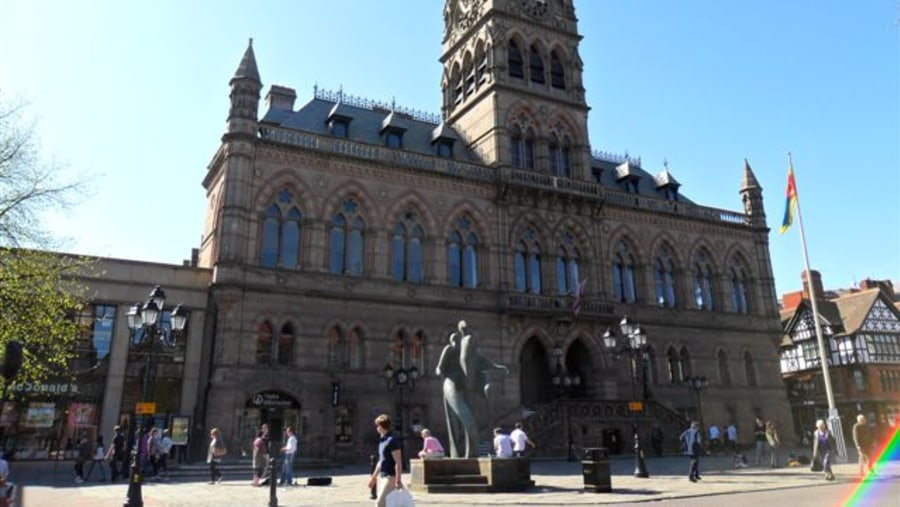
pixel 400 498
pixel 816 465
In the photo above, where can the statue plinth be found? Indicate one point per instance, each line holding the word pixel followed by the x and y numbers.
pixel 470 475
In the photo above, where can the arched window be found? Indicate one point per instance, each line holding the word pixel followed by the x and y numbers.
pixel 624 290
pixel 516 146
pixel 650 375
pixel 347 228
pixel 676 375
pixel 416 352
pixel 536 66
pixel 664 276
pixel 354 349
pixel 724 371
pixel 749 369
pixel 703 285
pixel 337 346
pixel 406 249
pixel 264 344
pixel 567 275
pixel 280 244
pixel 469 71
pixel 738 288
pixel 528 163
pixel 286 345
pixel 456 83
pixel 481 59
pixel 462 254
pixel 514 61
pixel 685 363
pixel 527 263
pixel 560 157
pixel 557 74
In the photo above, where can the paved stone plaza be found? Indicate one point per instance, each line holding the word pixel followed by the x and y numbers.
pixel 557 483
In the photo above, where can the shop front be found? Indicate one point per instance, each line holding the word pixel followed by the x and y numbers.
pixel 45 420
pixel 277 409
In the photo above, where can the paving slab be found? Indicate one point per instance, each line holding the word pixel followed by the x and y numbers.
pixel 557 483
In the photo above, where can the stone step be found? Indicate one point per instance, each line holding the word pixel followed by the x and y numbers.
pixel 461 479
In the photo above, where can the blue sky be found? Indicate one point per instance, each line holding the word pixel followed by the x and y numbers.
pixel 133 96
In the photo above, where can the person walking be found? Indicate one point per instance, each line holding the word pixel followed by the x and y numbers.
pixel 656 439
pixel 692 441
pixel 165 448
pixel 759 435
pixel 863 440
pixel 154 451
pixel 823 446
pixel 214 454
pixel 431 446
pixel 731 435
pixel 715 439
pixel 502 444
pixel 388 472
pixel 116 455
pixel 82 454
pixel 773 441
pixel 97 461
pixel 260 457
pixel 289 450
pixel 520 440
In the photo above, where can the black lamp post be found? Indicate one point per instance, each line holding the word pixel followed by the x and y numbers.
pixel 402 379
pixel 565 383
pixel 632 344
pixel 697 385
pixel 147 332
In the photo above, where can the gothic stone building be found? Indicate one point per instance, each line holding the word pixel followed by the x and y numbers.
pixel 345 235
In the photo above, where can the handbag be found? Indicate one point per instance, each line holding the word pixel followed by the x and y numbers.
pixel 400 498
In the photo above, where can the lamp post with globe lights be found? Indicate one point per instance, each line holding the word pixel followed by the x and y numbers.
pixel 402 379
pixel 565 382
pixel 631 344
pixel 697 384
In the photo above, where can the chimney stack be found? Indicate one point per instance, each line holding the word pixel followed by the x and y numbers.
pixel 281 98
pixel 886 287
pixel 812 280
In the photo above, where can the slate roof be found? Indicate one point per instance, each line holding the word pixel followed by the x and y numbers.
pixel 367 126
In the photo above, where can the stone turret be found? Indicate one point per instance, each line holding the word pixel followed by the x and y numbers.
pixel 751 195
pixel 245 88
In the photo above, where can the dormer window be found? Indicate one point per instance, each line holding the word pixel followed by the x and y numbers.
pixel 339 127
pixel 393 139
pixel 671 193
pixel 392 128
pixel 444 148
pixel 631 186
pixel 628 175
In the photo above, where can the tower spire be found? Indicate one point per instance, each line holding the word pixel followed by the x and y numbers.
pixel 751 195
pixel 247 68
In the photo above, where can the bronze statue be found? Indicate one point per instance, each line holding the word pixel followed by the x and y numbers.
pixel 465 375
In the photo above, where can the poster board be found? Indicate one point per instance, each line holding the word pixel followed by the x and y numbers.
pixel 179 429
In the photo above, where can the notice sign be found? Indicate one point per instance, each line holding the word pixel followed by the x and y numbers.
pixel 636 406
pixel 40 415
pixel 145 408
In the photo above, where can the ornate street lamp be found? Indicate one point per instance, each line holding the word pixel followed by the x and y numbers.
pixel 403 379
pixel 631 344
pixel 697 385
pixel 565 383
pixel 147 332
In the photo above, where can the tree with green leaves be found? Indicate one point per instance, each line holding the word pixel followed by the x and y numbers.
pixel 40 291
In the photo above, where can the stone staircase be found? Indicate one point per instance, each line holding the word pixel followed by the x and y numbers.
pixel 594 423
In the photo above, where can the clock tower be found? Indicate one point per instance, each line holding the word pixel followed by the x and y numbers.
pixel 512 84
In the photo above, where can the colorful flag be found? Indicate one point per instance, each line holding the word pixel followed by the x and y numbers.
pixel 579 297
pixel 791 199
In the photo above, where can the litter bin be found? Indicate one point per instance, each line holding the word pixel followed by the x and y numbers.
pixel 595 468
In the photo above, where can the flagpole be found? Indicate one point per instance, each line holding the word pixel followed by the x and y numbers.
pixel 833 417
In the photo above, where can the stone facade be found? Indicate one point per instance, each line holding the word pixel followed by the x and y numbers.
pixel 297 314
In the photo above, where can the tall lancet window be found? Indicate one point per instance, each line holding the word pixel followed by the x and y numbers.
pixel 280 246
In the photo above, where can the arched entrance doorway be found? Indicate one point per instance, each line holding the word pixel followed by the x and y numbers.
pixel 275 408
pixel 578 362
pixel 534 376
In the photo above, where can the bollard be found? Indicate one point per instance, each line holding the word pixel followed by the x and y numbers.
pixel 273 486
pixel 134 497
pixel 373 494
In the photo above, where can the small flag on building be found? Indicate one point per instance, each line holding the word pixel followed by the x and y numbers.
pixel 579 297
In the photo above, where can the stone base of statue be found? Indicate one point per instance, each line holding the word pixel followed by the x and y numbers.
pixel 470 475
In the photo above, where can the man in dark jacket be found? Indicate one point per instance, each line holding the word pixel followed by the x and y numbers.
pixel 117 465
